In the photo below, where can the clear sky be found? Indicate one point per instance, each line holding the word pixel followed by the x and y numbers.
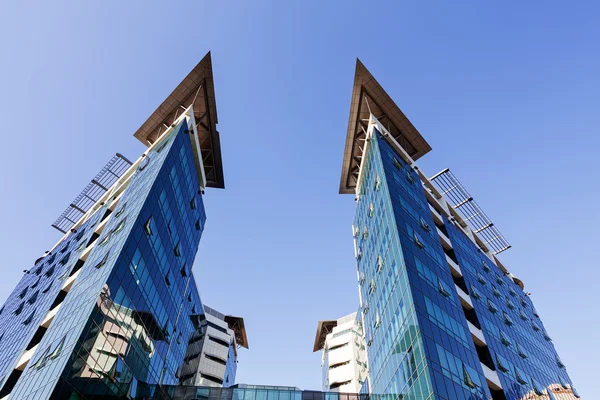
pixel 506 93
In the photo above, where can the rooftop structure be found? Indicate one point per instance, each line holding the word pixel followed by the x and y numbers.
pixel 196 89
pixel 368 97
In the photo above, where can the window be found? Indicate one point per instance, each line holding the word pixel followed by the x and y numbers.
pixel 475 293
pixel 372 287
pixel 520 351
pixel 19 309
pixel 559 362
pixel 359 254
pixel 79 235
pixel 481 279
pixel 58 349
pixel 520 375
pixel 41 362
pixel 101 263
pixel 380 263
pixel 535 326
pixel 366 308
pixel 65 259
pixel 492 307
pixel 37 282
pixel 502 363
pixel 547 337
pixel 418 241
pixel 23 293
pixel 496 292
pixel 120 226
pixel 523 316
pixel 536 388
pixel 371 210
pixel 356 231
pixel 33 297
pixel 29 319
pixel 105 239
pixel 339 364
pixel 377 182
pixel 144 163
pixel 409 177
pixel 443 289
pixel 397 163
pixel 50 272
pixel 193 203
pixel 362 278
pixel 510 304
pixel 425 225
pixel 365 233
pixel 183 272
pixel 47 288
pixel 507 320
pixel 499 280
pixel 467 378
pixel 121 211
pixel 512 292
pixel 377 321
pixel 505 339
pixel 148 227
pixel 485 267
pixel 523 302
pixel 198 225
pixel 176 250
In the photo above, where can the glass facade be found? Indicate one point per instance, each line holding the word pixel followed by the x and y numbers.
pixel 423 340
pixel 256 392
pixel 121 325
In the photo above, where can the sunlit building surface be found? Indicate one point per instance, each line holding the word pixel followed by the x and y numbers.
pixel 344 357
pixel 110 309
pixel 443 317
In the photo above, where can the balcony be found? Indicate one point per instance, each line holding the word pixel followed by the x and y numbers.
pixel 437 217
pixel 25 358
pixel 476 334
pixel 491 377
pixel 50 316
pixel 444 239
pixel 69 282
pixel 465 299
pixel 453 266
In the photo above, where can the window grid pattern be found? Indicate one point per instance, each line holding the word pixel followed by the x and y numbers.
pixel 121 324
pixel 440 316
pixel 513 332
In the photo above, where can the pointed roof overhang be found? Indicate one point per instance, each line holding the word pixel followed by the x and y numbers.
pixel 197 88
pixel 324 328
pixel 239 328
pixel 368 97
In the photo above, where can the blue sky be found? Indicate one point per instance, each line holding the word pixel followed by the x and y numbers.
pixel 506 93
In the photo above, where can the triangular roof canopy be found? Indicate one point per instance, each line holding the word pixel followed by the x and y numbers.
pixel 368 94
pixel 197 88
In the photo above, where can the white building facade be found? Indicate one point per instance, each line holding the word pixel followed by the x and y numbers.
pixel 344 358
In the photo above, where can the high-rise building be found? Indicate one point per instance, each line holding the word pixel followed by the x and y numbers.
pixel 443 317
pixel 344 357
pixel 211 357
pixel 109 310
